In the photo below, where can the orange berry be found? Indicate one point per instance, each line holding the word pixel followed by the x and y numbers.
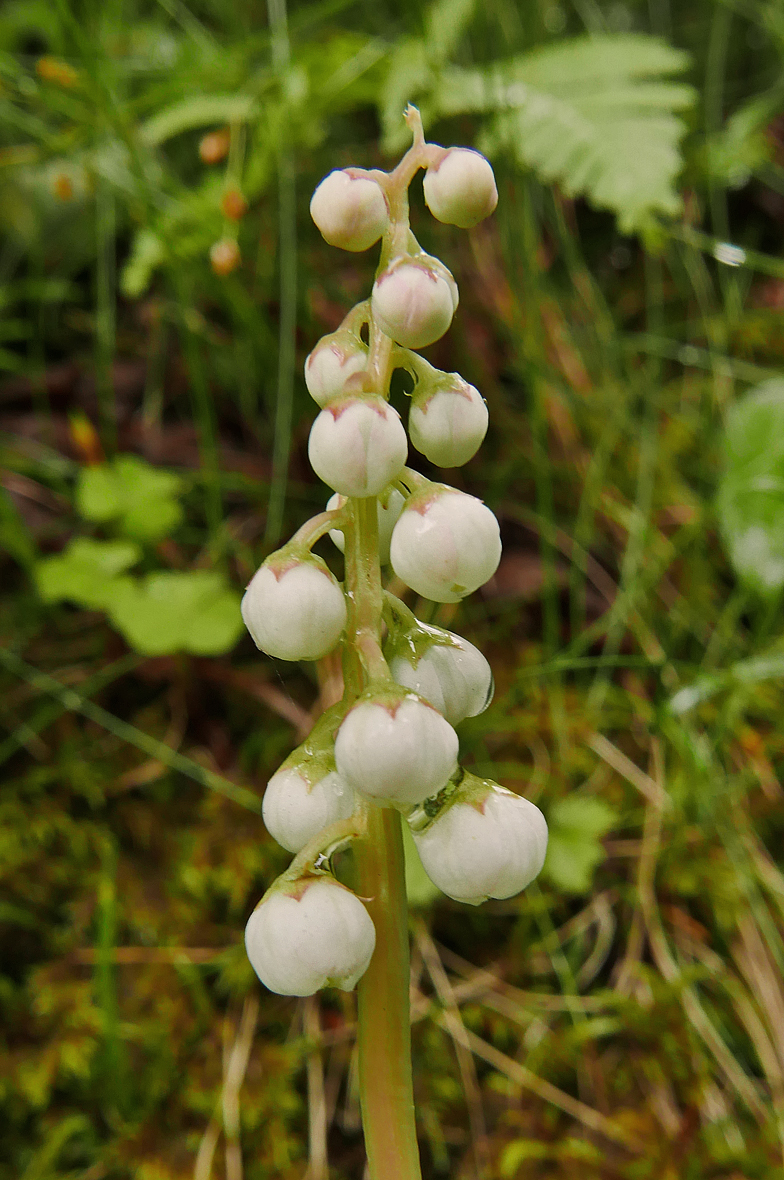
pixel 233 204
pixel 225 256
pixel 85 438
pixel 53 69
pixel 62 187
pixel 214 147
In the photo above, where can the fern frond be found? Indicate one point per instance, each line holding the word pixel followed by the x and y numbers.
pixel 597 115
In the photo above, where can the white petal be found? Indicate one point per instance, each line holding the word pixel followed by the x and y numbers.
pixel 294 811
pixel 298 945
pixel 297 615
pixel 400 755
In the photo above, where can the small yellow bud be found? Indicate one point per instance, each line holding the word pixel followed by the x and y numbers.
pixel 54 69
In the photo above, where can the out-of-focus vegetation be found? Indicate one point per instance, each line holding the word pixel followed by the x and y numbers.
pixel 161 284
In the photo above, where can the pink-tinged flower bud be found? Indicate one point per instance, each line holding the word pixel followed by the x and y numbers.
pixel 351 211
pixel 358 445
pixel 335 359
pixel 450 673
pixel 447 424
pixel 314 933
pixel 395 748
pixel 294 608
pixel 490 846
pixel 460 189
pixel 445 544
pixel 414 300
pixel 295 809
pixel 390 505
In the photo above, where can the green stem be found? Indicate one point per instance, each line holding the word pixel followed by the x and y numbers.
pixel 385 1080
pixel 385 1076
pixel 202 407
pixel 386 1087
pixel 105 314
pixel 315 528
pixel 287 218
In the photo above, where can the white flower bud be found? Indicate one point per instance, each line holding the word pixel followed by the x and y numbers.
pixel 395 748
pixel 460 189
pixel 294 809
pixel 334 360
pixel 351 211
pixel 489 847
pixel 358 445
pixel 452 675
pixel 315 934
pixel 445 544
pixel 447 425
pixel 388 512
pixel 414 300
pixel 294 609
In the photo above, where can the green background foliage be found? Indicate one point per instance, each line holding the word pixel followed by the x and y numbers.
pixel 622 314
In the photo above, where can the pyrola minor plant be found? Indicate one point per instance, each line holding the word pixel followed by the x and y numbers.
pixel 387 754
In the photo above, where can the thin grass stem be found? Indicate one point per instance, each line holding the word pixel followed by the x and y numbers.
pixel 287 241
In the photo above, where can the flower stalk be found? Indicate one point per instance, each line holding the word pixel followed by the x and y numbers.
pixel 385 1076
pixel 388 749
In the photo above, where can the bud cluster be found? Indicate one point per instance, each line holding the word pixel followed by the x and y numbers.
pixel 391 742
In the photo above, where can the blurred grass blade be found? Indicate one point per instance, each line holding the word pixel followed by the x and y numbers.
pixel 287 240
pixel 74 703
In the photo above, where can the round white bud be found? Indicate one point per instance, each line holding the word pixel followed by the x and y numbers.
pixel 388 513
pixel 334 360
pixel 421 678
pixel 350 211
pixel 460 189
pixel 487 848
pixel 395 748
pixel 414 300
pixel 295 810
pixel 315 934
pixel 447 426
pixel 446 544
pixel 294 609
pixel 358 445
pixel 453 676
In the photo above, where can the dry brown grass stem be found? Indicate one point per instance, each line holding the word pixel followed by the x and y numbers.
pixel 202 1169
pixel 227 1112
pixel 235 1064
pixel 527 1080
pixel 628 770
pixel 737 1079
pixel 487 988
pixel 490 979
pixel 453 1022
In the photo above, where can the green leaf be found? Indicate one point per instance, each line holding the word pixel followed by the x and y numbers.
pixel 518 1152
pixel 748 673
pixel 194 611
pixel 98 496
pixel 203 110
pixel 147 253
pixel 141 497
pixel 420 890
pixel 596 115
pixel 750 499
pixel 574 848
pixel 87 572
pixel 742 146
pixel 15 536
